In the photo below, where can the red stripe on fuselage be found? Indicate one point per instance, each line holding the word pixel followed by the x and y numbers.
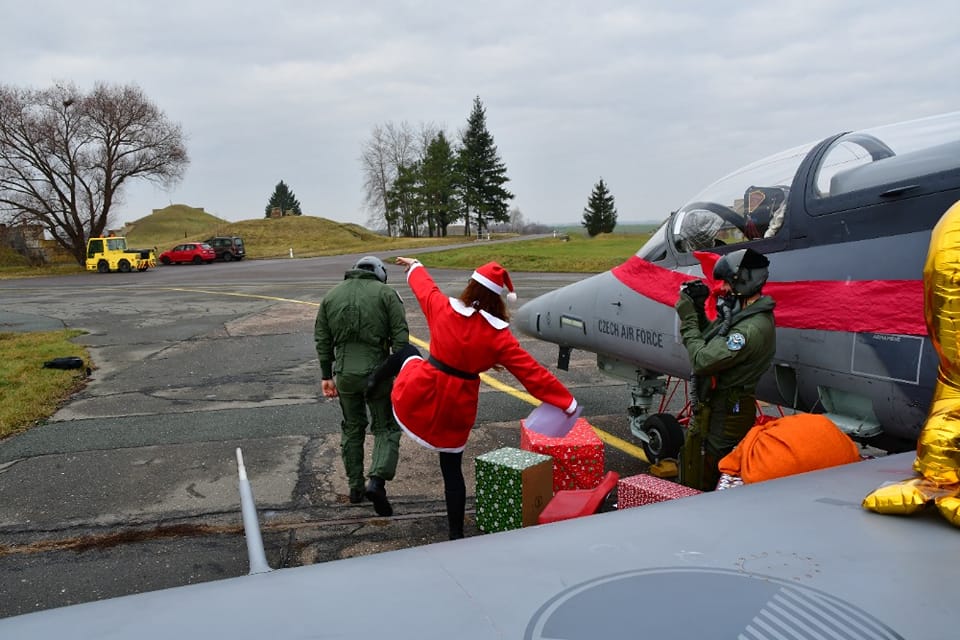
pixel 862 306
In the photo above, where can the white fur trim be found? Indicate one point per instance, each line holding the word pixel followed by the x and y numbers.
pixel 413 266
pixel 423 443
pixel 495 322
pixel 461 308
pixel 464 310
pixel 572 407
pixel 487 282
pixel 511 297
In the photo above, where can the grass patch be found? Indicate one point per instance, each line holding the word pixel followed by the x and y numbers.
pixel 579 254
pixel 28 392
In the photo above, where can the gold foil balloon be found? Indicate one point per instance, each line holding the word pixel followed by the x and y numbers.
pixel 938 447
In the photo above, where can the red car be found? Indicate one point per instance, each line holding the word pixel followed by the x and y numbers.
pixel 195 252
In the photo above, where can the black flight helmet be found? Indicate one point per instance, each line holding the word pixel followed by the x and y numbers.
pixel 745 270
pixel 374 265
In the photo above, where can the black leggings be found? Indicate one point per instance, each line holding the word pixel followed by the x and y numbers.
pixel 454 491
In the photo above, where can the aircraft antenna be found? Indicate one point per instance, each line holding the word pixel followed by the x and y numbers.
pixel 251 524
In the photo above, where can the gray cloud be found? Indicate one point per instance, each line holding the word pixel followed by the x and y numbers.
pixel 657 98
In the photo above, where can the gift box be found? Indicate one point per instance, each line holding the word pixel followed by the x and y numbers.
pixel 513 486
pixel 577 456
pixel 644 489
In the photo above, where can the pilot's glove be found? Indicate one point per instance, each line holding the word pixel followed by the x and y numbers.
pixel 697 290
pixel 685 306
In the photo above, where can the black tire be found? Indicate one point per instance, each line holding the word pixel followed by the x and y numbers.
pixel 227 256
pixel 103 267
pixel 197 260
pixel 123 266
pixel 165 260
pixel 666 437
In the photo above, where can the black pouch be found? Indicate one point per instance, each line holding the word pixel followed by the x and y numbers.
pixel 68 362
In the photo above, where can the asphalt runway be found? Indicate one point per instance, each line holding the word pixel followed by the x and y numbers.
pixel 132 485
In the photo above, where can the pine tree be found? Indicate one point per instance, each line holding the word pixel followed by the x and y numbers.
pixel 600 214
pixel 284 200
pixel 481 173
pixel 438 185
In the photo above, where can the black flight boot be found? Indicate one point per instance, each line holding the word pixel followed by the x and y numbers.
pixel 377 494
pixel 356 496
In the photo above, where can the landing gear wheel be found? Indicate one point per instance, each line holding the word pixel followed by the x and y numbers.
pixel 666 437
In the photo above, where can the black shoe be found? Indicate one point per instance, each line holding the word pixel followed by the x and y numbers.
pixel 377 494
pixel 356 496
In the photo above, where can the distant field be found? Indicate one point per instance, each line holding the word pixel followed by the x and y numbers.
pixel 579 254
pixel 626 228
pixel 309 236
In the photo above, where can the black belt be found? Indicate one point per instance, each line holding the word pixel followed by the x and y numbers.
pixel 447 369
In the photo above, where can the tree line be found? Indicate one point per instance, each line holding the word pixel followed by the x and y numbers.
pixel 67 155
pixel 419 182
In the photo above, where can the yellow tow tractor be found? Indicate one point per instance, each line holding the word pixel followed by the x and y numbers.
pixel 111 254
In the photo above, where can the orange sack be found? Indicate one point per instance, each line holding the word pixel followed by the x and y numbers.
pixel 789 445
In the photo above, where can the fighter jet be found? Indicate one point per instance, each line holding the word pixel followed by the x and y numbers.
pixel 792 558
pixel 845 222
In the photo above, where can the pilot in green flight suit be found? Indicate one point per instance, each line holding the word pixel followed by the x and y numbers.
pixel 728 357
pixel 358 324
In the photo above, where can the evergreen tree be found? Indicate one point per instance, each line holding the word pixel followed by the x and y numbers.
pixel 404 206
pixel 481 174
pixel 284 200
pixel 600 214
pixel 438 186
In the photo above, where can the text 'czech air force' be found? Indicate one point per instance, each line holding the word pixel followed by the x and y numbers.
pixel 631 333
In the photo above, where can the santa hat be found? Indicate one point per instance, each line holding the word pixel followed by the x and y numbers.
pixel 495 278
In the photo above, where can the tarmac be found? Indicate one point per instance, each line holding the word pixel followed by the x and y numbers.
pixel 132 485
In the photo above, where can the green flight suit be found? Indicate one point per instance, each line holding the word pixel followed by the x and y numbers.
pixel 727 369
pixel 358 324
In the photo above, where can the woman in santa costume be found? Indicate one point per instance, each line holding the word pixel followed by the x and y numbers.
pixel 435 399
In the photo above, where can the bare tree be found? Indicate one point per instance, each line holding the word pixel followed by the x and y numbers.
pixel 390 147
pixel 66 156
pixel 517 222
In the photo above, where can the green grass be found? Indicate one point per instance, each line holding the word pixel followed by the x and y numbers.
pixel 28 392
pixel 579 254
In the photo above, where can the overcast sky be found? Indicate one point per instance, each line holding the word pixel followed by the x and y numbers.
pixel 657 98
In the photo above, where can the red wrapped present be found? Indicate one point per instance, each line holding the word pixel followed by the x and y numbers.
pixel 644 489
pixel 577 456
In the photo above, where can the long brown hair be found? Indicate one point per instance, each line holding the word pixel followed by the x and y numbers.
pixel 479 297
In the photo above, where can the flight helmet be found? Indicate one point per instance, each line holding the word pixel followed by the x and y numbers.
pixel 745 270
pixel 374 265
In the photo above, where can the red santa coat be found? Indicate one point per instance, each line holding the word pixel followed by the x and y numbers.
pixel 438 409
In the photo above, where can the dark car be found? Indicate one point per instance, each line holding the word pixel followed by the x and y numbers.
pixel 192 252
pixel 227 247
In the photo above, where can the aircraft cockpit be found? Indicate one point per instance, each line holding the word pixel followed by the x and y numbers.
pixel 747 205
pixel 850 186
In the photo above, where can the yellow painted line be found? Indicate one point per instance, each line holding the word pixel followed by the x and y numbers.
pixel 241 295
pixel 622 445
pixel 607 438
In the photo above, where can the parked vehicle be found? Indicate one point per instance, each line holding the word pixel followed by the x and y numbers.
pixel 227 247
pixel 111 254
pixel 189 252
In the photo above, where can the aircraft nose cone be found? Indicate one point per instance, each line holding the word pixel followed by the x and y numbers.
pixel 523 317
